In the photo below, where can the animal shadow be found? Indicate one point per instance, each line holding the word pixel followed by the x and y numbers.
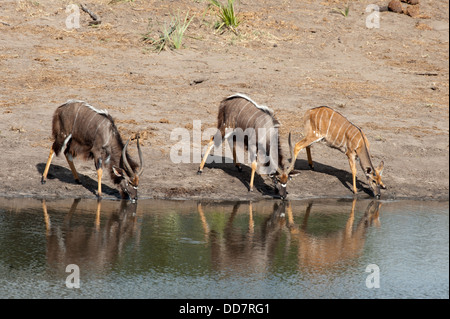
pixel 345 177
pixel 64 175
pixel 243 176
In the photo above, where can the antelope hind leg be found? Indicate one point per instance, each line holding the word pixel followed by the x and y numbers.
pixel 351 161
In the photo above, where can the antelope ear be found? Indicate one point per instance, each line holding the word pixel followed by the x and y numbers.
pixel 380 168
pixel 368 170
pixel 294 173
pixel 274 174
pixel 118 171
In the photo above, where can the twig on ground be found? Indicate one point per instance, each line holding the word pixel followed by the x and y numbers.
pixel 91 14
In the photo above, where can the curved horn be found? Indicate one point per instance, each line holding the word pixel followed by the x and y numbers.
pixel 141 159
pixel 125 161
pixel 291 149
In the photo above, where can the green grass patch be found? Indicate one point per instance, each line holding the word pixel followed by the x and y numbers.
pixel 171 36
pixel 226 14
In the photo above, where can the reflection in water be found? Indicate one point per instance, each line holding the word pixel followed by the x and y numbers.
pixel 188 249
pixel 255 251
pixel 240 246
pixel 91 247
pixel 343 244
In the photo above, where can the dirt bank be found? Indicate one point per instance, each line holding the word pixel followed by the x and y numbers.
pixel 392 81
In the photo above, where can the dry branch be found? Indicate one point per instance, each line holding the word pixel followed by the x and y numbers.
pixel 91 14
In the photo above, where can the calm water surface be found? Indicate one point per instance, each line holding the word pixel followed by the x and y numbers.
pixel 189 249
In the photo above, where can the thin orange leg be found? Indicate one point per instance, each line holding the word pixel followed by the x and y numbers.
pixel 72 168
pixel 99 177
pixel 208 150
pixel 252 178
pixel 47 166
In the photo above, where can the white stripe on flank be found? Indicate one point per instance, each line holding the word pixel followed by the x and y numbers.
pixel 329 124
pixel 320 121
pixel 315 121
pixel 246 124
pixel 337 135
pixel 259 119
pixel 95 134
pixel 76 116
pixel 65 142
pixel 343 139
pixel 357 145
pixel 354 135
pixel 239 114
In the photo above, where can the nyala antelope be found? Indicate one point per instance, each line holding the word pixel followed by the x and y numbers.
pixel 240 112
pixel 325 124
pixel 78 129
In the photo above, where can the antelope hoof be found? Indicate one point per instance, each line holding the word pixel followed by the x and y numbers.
pixel 251 189
pixel 239 169
pixel 43 180
pixel 78 181
pixel 199 172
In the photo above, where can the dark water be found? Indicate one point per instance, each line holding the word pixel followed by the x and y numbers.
pixel 188 249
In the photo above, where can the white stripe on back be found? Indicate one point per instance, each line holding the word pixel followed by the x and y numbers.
pixel 266 109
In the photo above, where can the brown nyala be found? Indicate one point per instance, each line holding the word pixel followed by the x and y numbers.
pixel 255 126
pixel 80 130
pixel 325 124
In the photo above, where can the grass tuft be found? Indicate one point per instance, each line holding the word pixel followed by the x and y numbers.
pixel 344 12
pixel 227 15
pixel 172 35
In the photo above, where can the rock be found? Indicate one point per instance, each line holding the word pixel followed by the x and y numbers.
pixel 413 11
pixel 423 26
pixel 395 6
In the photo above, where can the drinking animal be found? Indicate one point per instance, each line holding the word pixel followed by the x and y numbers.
pixel 80 130
pixel 240 116
pixel 325 124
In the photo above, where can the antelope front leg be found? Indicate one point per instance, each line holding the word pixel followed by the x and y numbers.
pixel 351 161
pixel 310 162
pixel 252 178
pixel 301 145
pixel 98 166
pixel 208 150
pixel 47 166
pixel 236 163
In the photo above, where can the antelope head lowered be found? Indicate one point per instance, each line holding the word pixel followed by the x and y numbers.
pixel 79 129
pixel 240 115
pixel 325 124
pixel 284 174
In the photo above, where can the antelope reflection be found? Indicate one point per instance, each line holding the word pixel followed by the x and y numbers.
pixel 255 248
pixel 90 246
pixel 343 245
